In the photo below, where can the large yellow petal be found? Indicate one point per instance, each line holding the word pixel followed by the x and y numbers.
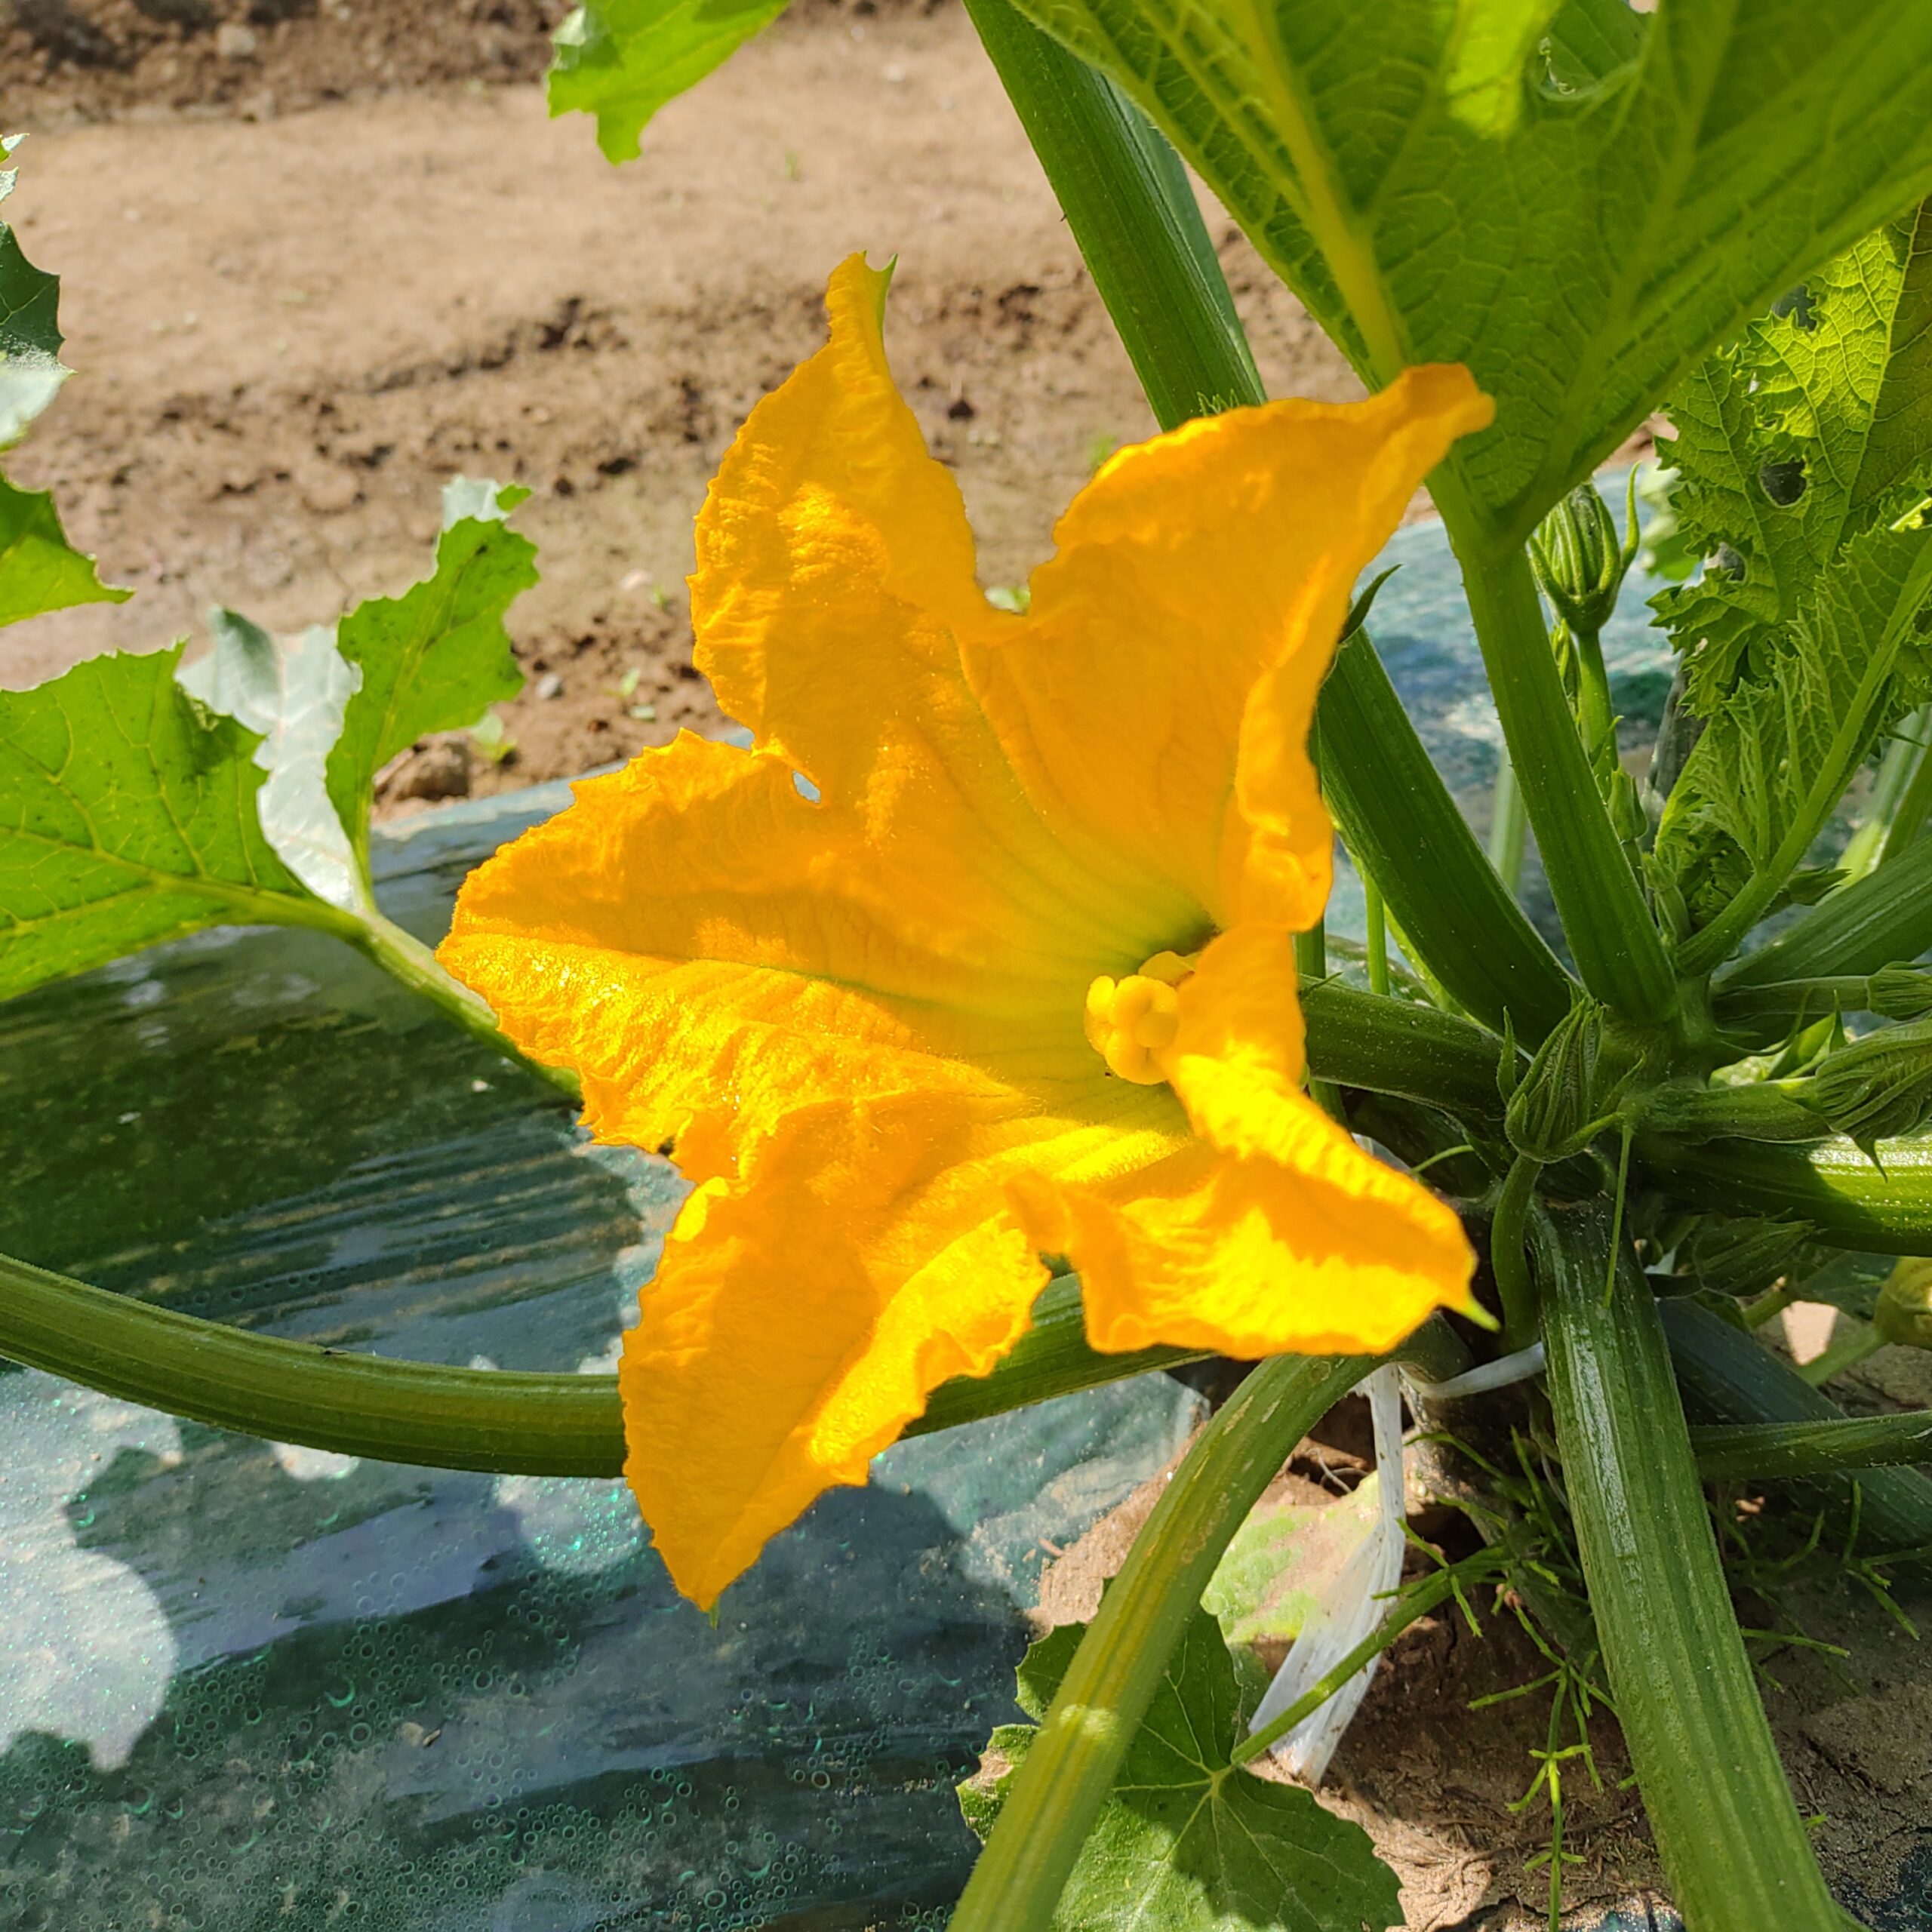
pixel 1193 572
pixel 799 1318
pixel 834 591
pixel 1275 1233
pixel 708 949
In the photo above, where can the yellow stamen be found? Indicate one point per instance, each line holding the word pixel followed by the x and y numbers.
pixel 1131 1023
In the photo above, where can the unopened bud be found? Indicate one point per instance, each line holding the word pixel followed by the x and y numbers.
pixel 1579 560
pixel 1879 1087
pixel 1903 1315
pixel 1900 993
pixel 1568 1095
pixel 1740 1257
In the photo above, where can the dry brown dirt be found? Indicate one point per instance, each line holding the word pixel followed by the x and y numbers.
pixel 290 328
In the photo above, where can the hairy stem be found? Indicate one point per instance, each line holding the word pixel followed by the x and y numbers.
pixel 1509 828
pixel 1732 1841
pixel 1059 1790
pixel 405 957
pixel 1728 1376
pixel 423 1413
pixel 1616 947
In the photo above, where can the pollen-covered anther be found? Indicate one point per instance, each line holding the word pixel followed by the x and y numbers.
pixel 1131 1023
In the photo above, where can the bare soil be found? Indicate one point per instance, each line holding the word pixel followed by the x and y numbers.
pixel 292 328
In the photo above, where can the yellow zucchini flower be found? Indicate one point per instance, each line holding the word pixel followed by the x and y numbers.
pixel 984 949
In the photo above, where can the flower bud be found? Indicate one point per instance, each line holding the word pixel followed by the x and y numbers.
pixel 1901 993
pixel 1903 1315
pixel 1740 1257
pixel 1568 1095
pixel 1579 560
pixel 1878 1088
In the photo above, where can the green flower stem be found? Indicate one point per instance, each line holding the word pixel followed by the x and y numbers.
pixel 1852 1201
pixel 1732 1841
pixel 396 1411
pixel 1756 1110
pixel 404 956
pixel 1375 920
pixel 1057 1793
pixel 1594 718
pixel 1508 1231
pixel 1884 917
pixel 1617 950
pixel 1509 828
pixel 1427 1594
pixel 1134 216
pixel 1915 805
pixel 1728 1376
pixel 1773 1450
pixel 1397 1047
pixel 294 1391
pixel 1897 769
pixel 1405 830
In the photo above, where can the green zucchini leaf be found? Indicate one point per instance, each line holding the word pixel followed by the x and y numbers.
pixel 127 816
pixel 1803 456
pixel 437 657
pixel 1187 1843
pixel 31 371
pixel 1577 201
pixel 293 691
pixel 622 59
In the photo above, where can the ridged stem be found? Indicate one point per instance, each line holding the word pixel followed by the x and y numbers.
pixel 358 1404
pixel 1066 1776
pixel 1736 1852
pixel 1617 950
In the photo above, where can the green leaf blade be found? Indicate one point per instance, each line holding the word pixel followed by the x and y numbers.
pixel 622 59
pixel 31 371
pixel 1187 1843
pixel 40 571
pixel 1576 201
pixel 435 659
pixel 127 817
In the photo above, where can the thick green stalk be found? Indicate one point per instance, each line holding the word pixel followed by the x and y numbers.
pixel 1127 200
pixel 1852 1201
pixel 1891 789
pixel 1391 1046
pixel 1396 816
pixel 1728 1376
pixel 1884 917
pixel 1616 947
pixel 404 956
pixel 1731 1839
pixel 1509 828
pixel 1066 1776
pixel 397 1411
pixel 1787 1450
